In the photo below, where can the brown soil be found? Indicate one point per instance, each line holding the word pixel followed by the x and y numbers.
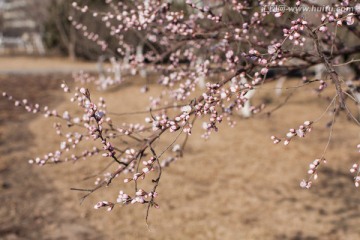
pixel 24 65
pixel 237 185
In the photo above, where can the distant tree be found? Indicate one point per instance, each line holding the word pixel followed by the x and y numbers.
pixel 61 34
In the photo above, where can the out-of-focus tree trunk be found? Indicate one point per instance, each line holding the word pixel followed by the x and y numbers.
pixel 67 33
pixel 72 43
pixel 72 37
pixel 71 51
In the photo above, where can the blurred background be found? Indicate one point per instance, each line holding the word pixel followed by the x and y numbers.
pixel 41 27
pixel 236 185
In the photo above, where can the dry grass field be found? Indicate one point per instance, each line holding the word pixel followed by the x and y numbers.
pixel 236 185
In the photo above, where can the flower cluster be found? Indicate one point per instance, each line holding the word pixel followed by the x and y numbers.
pixel 107 204
pixel 322 86
pixel 140 197
pixel 300 132
pixel 294 33
pixel 313 167
pixel 31 108
pixel 148 166
pixel 355 169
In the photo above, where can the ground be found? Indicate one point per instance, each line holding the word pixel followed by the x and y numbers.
pixel 236 185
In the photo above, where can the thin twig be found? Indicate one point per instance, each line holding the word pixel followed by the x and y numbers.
pixel 331 131
pixel 327 108
pixel 343 64
pixel 156 181
pixel 145 112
